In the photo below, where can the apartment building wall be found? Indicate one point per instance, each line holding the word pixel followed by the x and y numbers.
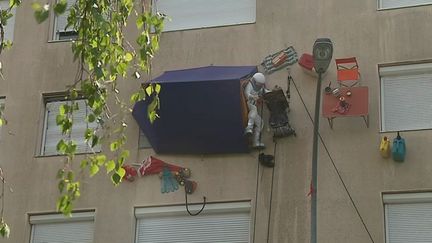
pixel 280 205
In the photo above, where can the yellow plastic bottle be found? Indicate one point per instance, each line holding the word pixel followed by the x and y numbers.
pixel 385 147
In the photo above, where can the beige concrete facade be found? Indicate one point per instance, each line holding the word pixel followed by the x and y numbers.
pixel 280 213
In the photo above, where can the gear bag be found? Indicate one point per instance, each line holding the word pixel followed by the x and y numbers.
pixel 277 104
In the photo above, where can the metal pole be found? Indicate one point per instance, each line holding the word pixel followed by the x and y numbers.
pixel 315 164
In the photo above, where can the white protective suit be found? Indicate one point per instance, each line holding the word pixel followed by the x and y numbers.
pixel 253 91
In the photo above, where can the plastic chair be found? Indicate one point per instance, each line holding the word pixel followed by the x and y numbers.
pixel 347 71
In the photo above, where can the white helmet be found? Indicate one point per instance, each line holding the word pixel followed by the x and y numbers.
pixel 259 78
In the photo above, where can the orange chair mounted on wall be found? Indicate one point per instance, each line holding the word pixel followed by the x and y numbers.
pixel 347 71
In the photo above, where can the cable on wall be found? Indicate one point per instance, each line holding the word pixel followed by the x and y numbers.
pixel 333 163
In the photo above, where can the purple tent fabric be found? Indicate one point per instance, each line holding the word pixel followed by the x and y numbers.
pixel 200 111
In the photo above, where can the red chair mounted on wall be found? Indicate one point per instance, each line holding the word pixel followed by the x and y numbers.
pixel 348 74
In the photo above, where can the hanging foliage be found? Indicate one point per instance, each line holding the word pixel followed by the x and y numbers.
pixel 105 57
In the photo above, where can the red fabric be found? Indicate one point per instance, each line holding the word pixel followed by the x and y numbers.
pixel 131 173
pixel 311 189
pixel 306 61
pixel 153 165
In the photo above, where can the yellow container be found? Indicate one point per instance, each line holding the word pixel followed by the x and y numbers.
pixel 385 147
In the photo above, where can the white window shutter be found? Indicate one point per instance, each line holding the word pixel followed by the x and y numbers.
pixel 407 102
pixel 61 20
pixel 211 226
pixel 409 222
pixel 69 232
pixel 59 229
pixel 406 97
pixel 192 14
pixel 387 4
pixel 53 133
pixel 9 28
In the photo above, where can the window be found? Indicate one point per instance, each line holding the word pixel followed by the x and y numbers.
pixel 60 30
pixel 221 222
pixel 193 14
pixel 143 142
pixel 406 97
pixel 389 4
pixel 408 217
pixel 53 134
pixel 9 29
pixel 58 228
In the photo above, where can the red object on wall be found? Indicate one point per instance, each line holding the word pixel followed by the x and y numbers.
pixel 131 173
pixel 154 165
pixel 306 61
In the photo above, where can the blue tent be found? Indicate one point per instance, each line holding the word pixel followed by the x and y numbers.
pixel 200 113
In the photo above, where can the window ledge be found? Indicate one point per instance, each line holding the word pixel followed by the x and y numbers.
pixel 62 155
pixel 402 7
pixel 60 41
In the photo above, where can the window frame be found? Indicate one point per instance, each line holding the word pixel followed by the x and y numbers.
pixel 400 70
pixel 50 218
pixel 402 198
pixel 58 97
pixel 55 37
pixel 10 23
pixel 195 26
pixel 179 210
pixel 380 3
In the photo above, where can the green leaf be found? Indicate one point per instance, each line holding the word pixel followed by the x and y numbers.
pixel 128 57
pixel 116 178
pixel 125 154
pixel 41 13
pixel 94 169
pixel 114 146
pixel 140 21
pixel 61 146
pixel 36 6
pixel 100 159
pixel 95 141
pixel 7 45
pixel 110 165
pixel 71 148
pixel 88 134
pixel 13 3
pixel 60 119
pixel 134 98
pixel 63 109
pixel 157 88
pixel 91 118
pixel 4 229
pixel 149 90
pixel 84 163
pixel 74 94
pixel 121 172
pixel 60 173
pixel 60 7
pixel 61 186
pixel 70 176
